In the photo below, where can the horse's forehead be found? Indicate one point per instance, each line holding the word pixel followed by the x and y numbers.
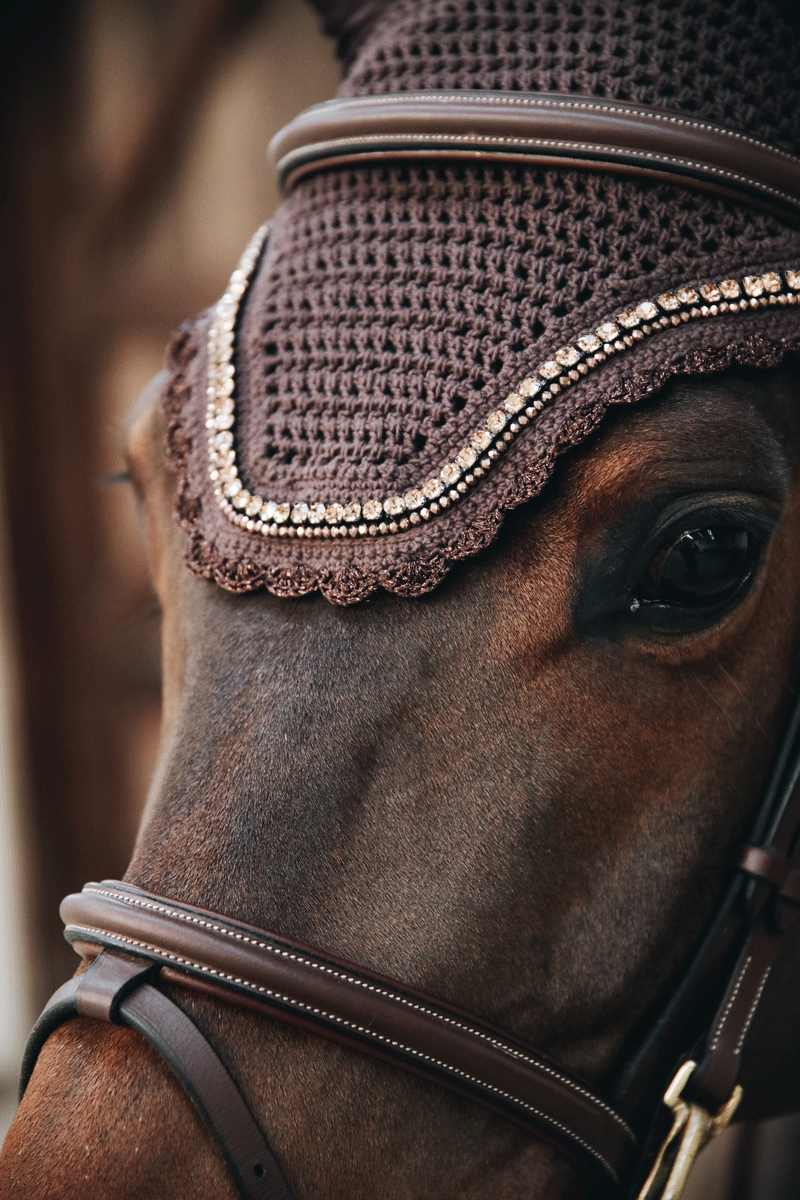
pixel 732 431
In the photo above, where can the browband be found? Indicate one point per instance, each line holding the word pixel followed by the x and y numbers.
pixel 529 127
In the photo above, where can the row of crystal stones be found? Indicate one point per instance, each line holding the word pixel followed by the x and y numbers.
pixel 371 518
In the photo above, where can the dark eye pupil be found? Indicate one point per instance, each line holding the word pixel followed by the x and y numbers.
pixel 701 568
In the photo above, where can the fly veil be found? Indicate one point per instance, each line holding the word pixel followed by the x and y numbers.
pixel 516 215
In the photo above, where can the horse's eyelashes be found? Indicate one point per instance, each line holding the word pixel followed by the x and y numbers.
pixel 676 571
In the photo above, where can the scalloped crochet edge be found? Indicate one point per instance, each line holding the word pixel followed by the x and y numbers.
pixel 420 572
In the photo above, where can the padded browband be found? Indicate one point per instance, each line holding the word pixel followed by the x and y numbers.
pixel 352 1005
pixel 535 128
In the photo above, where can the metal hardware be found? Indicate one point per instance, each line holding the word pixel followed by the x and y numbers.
pixel 695 1127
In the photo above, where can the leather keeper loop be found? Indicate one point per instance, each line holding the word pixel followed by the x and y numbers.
pixel 780 885
pixel 105 984
pixel 116 988
pixel 764 864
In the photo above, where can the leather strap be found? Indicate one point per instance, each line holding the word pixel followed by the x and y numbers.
pixel 389 1020
pixel 116 988
pixel 362 1009
pixel 772 905
pixel 711 1010
pixel 779 878
pixel 553 130
pixel 715 1077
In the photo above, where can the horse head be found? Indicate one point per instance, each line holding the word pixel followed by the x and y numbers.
pixel 496 729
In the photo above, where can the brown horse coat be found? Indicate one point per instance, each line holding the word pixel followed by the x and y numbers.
pixel 514 792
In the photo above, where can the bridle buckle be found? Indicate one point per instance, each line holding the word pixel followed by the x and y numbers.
pixel 692 1128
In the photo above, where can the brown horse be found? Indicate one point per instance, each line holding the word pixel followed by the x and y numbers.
pixel 521 792
pixel 512 765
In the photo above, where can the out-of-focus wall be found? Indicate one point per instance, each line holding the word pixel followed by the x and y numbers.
pixel 134 159
pixel 16 998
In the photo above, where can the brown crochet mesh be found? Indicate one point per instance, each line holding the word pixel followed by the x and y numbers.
pixel 735 63
pixel 396 306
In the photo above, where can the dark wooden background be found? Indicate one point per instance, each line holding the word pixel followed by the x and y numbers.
pixel 133 174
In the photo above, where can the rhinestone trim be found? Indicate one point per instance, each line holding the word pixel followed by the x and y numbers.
pixel 499 429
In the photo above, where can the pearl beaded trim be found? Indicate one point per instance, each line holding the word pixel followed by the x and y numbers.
pixel 393 514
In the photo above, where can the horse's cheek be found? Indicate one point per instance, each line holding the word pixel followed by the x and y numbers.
pixel 103 1118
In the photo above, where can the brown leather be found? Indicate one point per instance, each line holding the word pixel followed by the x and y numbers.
pixel 365 1010
pixel 115 988
pixel 715 1078
pixel 782 878
pixel 531 127
pixel 764 864
pixel 109 979
pixel 182 1045
pixel 773 905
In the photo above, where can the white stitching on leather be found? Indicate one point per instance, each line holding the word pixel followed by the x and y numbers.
pixel 729 1005
pixel 399 999
pixel 481 101
pixel 752 1011
pixel 285 164
pixel 369 1033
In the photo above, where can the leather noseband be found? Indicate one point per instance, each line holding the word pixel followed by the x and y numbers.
pixel 140 939
pixel 342 1002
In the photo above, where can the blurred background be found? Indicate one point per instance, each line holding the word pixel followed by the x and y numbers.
pixel 133 174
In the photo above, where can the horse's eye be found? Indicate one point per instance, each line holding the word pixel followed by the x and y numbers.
pixel 702 568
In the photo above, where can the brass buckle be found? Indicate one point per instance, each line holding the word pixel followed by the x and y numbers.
pixel 692 1128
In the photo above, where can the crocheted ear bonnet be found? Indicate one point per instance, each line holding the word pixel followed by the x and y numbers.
pixel 400 361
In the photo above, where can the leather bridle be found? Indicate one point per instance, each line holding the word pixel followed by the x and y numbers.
pixel 137 940
pixel 628 1142
pixel 538 129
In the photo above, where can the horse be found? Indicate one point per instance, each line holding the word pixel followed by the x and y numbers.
pixel 478 792
pixel 520 793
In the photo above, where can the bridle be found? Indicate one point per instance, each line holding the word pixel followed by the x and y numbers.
pixel 536 128
pixel 627 1141
pixel 138 940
